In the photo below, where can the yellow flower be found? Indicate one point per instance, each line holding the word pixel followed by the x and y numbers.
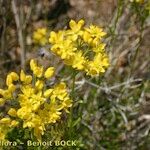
pixel 24 113
pixel 6 94
pixel 39 36
pixel 38 131
pixel 49 72
pixel 11 78
pixel 93 35
pixel 48 92
pixel 87 37
pixel 12 112
pixel 95 31
pixel 51 113
pixel 37 70
pixel 64 49
pixel 5 121
pixel 14 123
pixel 31 99
pixel 61 87
pixel 27 90
pixel 26 79
pixel 39 85
pixel 98 65
pixel 33 64
pixel 76 26
pixel 61 94
pixel 77 61
pixel 11 88
pixel 66 103
pixel 56 37
pixel 100 48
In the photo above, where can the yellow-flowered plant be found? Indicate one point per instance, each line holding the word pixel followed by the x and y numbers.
pixel 37 104
pixel 40 36
pixel 81 47
pixel 143 6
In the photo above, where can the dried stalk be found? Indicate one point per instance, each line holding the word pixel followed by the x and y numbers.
pixel 19 32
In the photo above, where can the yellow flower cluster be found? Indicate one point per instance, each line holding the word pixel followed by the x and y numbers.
pixel 38 105
pixel 81 47
pixel 40 36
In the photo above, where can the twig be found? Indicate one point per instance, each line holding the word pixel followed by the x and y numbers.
pixel 3 13
pixel 126 83
pixel 19 31
pixel 86 125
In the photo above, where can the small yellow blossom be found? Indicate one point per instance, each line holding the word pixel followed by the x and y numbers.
pixel 33 64
pixel 26 79
pixel 37 70
pixel 49 72
pixel 38 131
pixel 48 92
pixel 12 112
pixel 11 88
pixel 65 104
pixel 39 85
pixel 77 61
pixel 98 65
pixel 39 36
pixel 5 121
pixel 76 27
pixel 24 113
pixel 56 37
pixel 6 94
pixel 14 123
pixel 11 78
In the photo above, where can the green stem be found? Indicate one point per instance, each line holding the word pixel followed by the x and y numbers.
pixel 73 85
pixel 120 7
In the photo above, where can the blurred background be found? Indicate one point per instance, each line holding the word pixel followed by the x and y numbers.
pixel 114 112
